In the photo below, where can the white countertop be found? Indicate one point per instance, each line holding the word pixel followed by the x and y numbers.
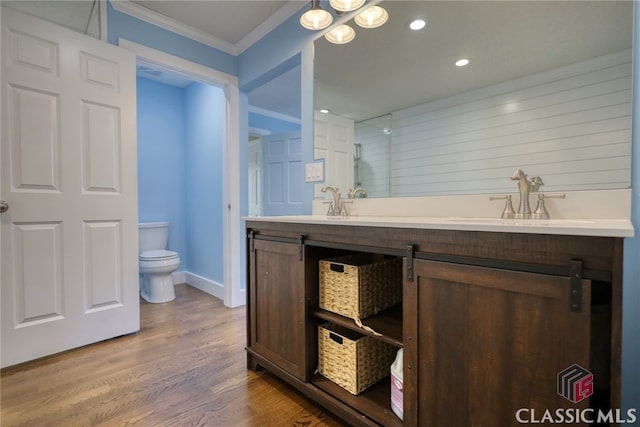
pixel 578 227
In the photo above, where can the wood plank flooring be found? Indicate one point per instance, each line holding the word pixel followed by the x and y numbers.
pixel 186 367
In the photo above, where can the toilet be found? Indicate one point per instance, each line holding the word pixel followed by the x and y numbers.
pixel 156 263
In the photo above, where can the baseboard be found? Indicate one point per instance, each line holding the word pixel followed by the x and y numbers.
pixel 205 285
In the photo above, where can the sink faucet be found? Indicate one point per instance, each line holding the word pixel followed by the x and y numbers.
pixel 354 193
pixel 335 206
pixel 524 186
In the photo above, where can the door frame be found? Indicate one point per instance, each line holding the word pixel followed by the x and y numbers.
pixel 234 294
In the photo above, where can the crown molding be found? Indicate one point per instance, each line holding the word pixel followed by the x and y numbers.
pixel 157 19
pixel 274 115
pixel 269 24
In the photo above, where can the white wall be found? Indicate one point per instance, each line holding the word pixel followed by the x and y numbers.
pixel 571 126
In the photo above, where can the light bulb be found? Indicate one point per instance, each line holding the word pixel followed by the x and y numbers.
pixel 341 34
pixel 372 17
pixel 346 5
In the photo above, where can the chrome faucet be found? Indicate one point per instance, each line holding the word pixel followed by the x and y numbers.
pixel 352 194
pixel 525 187
pixel 335 206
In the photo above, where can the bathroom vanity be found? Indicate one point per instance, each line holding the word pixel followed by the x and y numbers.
pixel 492 312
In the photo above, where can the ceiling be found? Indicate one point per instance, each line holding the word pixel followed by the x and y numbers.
pixel 392 68
pixel 228 20
pixel 503 39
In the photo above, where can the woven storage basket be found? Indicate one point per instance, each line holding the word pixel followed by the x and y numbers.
pixel 357 286
pixel 352 360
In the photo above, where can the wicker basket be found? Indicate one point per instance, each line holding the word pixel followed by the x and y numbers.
pixel 357 286
pixel 352 360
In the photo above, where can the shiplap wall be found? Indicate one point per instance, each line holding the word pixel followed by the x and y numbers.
pixel 571 126
pixel 372 170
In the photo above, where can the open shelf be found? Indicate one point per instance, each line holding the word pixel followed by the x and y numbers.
pixel 375 401
pixel 388 323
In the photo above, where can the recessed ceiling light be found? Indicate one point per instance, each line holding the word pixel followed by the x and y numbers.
pixel 417 24
pixel 324 111
pixel 462 62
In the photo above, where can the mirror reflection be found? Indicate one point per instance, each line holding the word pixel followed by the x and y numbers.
pixel 276 180
pixel 547 89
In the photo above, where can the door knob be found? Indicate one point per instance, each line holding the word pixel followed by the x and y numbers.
pixel 4 206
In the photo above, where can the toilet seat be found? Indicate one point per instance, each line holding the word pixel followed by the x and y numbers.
pixel 158 255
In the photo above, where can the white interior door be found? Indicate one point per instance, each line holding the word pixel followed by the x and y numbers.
pixel 69 239
pixel 282 174
pixel 333 138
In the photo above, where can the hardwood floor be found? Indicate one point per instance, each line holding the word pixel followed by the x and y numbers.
pixel 186 367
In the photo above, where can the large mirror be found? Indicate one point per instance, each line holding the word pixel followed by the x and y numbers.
pixel 547 90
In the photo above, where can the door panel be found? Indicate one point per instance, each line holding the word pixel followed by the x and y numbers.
pixel 481 343
pixel 69 240
pixel 35 149
pixel 101 148
pixel 278 305
pixel 38 267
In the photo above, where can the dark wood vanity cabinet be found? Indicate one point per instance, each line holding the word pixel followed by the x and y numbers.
pixel 488 320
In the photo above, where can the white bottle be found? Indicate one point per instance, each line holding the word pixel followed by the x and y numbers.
pixel 396 385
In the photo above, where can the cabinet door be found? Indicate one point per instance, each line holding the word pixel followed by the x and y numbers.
pixel 482 343
pixel 277 306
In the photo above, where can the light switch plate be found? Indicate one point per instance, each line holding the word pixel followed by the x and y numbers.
pixel 314 172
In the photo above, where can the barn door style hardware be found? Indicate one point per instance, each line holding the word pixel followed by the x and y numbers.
pixel 300 247
pixel 575 285
pixel 409 251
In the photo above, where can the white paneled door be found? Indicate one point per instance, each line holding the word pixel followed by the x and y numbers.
pixel 333 138
pixel 283 175
pixel 68 173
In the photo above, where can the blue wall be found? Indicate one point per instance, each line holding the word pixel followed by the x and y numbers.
pixel 271 124
pixel 180 149
pixel 204 134
pixel 631 288
pixel 192 202
pixel 161 158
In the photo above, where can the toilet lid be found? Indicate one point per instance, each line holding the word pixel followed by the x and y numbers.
pixel 157 255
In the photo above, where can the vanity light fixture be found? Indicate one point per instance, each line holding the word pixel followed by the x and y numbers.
pixel 341 34
pixel 316 18
pixel 462 62
pixel 324 111
pixel 346 5
pixel 417 24
pixel 372 17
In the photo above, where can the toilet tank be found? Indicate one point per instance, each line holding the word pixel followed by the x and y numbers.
pixel 152 236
